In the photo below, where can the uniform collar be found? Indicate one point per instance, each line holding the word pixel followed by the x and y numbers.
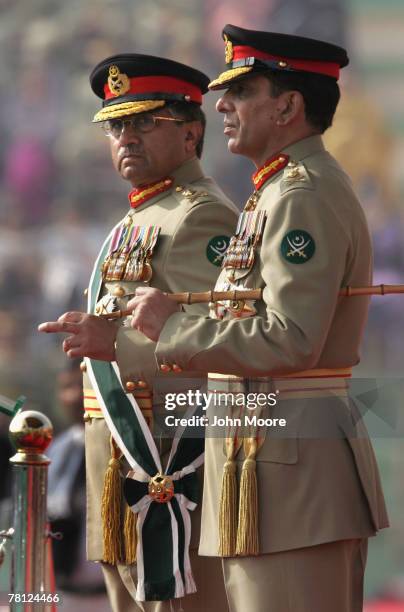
pixel 189 171
pixel 304 148
pixel 294 152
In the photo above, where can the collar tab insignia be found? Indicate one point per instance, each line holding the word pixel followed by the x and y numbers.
pixel 269 169
pixel 142 194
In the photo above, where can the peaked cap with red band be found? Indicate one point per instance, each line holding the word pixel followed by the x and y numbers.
pixel 134 83
pixel 249 51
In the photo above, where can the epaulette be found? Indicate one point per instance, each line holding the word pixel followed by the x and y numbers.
pixel 191 195
pixel 295 176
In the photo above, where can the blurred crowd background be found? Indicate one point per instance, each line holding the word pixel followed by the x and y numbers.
pixel 59 194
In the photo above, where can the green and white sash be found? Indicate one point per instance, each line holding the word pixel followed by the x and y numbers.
pixel 163 529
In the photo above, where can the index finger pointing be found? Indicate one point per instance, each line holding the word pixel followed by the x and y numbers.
pixel 55 327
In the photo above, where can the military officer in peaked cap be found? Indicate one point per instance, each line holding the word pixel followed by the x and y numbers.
pixel 173 237
pixel 295 538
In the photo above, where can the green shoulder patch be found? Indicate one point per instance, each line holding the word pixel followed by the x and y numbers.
pixel 216 249
pixel 298 246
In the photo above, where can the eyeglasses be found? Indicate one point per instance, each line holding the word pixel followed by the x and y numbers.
pixel 142 124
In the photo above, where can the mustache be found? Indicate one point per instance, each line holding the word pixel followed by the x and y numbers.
pixel 129 149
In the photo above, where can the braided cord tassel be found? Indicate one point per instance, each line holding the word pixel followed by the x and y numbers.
pixel 111 506
pixel 247 530
pixel 228 504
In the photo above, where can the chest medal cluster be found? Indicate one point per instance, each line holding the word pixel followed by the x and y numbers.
pixel 130 252
pixel 241 251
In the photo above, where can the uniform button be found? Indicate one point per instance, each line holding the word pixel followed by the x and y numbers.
pixel 83 366
pixel 164 367
pixel 130 386
pixel 167 182
pixel 179 188
pixel 118 291
pixel 86 417
pixel 176 368
pixel 142 384
pixel 85 292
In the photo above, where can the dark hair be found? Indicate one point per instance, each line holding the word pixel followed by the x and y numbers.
pixel 190 111
pixel 321 94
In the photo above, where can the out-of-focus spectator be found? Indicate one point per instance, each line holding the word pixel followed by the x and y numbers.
pixel 66 489
pixel 6 451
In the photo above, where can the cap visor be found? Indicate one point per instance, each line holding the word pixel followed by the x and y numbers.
pixel 225 78
pixel 127 108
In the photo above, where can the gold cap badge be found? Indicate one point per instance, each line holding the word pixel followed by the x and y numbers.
pixel 228 50
pixel 118 82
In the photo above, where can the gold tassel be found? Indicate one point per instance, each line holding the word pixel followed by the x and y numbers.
pixel 111 506
pixel 247 531
pixel 228 505
pixel 130 536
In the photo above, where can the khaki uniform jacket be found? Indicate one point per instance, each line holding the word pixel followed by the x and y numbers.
pixel 190 215
pixel 318 482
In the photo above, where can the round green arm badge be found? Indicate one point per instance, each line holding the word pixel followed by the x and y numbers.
pixel 298 246
pixel 216 249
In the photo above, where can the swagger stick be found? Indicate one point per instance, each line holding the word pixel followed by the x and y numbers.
pixel 256 294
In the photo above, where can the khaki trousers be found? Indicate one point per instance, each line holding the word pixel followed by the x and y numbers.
pixel 324 578
pixel 211 596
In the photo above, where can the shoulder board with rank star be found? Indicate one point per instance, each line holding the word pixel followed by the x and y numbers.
pixel 269 169
pixel 191 194
pixel 144 193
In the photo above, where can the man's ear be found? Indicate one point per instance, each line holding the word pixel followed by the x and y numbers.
pixel 193 134
pixel 290 105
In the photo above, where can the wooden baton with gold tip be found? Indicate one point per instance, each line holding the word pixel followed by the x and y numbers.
pixel 255 294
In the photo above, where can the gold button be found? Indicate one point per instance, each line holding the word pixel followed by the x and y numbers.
pixel 118 291
pixel 164 367
pixel 282 64
pixel 142 384
pixel 130 386
pixel 176 368
pixel 86 417
pixel 294 173
pixel 85 292
pixel 83 366
pixel 179 188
